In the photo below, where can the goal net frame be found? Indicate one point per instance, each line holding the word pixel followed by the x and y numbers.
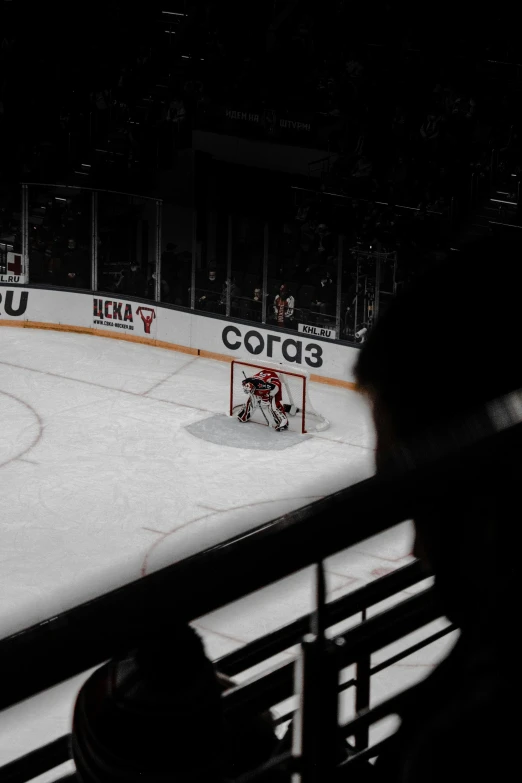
pixel 299 404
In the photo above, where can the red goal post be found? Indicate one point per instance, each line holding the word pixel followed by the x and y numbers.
pixel 295 382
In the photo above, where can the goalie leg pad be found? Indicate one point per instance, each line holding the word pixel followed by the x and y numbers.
pixel 246 411
pixel 278 416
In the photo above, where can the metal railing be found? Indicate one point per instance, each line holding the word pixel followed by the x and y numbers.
pixel 91 633
pixel 264 693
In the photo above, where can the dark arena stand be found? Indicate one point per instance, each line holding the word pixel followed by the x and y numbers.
pixel 259 182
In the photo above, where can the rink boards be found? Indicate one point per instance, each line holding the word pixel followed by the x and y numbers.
pixel 180 330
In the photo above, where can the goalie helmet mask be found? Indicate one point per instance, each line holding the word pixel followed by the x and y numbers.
pixel 255 384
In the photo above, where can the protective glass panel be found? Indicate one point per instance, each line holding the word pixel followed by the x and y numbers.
pixel 246 283
pixel 176 257
pixel 126 246
pixel 11 268
pixel 59 236
pixel 302 281
pixel 213 231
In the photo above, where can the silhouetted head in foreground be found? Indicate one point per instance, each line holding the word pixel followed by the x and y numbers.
pixel 444 348
pixel 155 714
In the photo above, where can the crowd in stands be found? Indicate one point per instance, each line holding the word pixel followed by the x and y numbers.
pixel 404 125
pixel 303 262
pixel 401 128
pixel 401 125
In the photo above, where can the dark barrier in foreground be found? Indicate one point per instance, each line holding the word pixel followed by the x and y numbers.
pixel 118 621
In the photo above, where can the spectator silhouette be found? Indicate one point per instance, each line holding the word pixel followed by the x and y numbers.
pixel 156 714
pixel 464 533
pixel 235 293
pixel 325 294
pixel 73 280
pixel 37 265
pixel 251 308
pixel 209 291
pixel 134 282
pixel 324 241
pixel 70 257
pixel 177 290
pixel 151 288
pixel 168 262
pixel 284 304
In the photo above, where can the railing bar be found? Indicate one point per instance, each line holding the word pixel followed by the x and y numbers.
pixel 266 690
pixel 18 771
pixel 260 772
pixel 363 755
pixel 87 635
pixel 410 650
pixel 347 684
pixel 284 718
pixel 506 225
pixel 374 714
pixel 388 626
pixel 390 661
pixel 342 608
pixel 63 186
pixel 36 761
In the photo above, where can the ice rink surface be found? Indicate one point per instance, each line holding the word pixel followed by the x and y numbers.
pixel 107 475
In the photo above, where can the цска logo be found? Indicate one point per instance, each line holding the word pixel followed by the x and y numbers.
pixel 114 313
pixel 148 314
pixel 8 307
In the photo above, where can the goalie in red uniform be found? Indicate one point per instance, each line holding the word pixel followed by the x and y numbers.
pixel 265 392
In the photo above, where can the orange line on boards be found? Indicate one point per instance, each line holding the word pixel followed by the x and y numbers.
pixel 130 338
pixel 220 357
pixel 332 381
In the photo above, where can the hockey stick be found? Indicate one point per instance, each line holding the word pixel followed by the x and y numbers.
pixel 264 414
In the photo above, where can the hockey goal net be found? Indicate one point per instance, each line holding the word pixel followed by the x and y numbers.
pixel 302 416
